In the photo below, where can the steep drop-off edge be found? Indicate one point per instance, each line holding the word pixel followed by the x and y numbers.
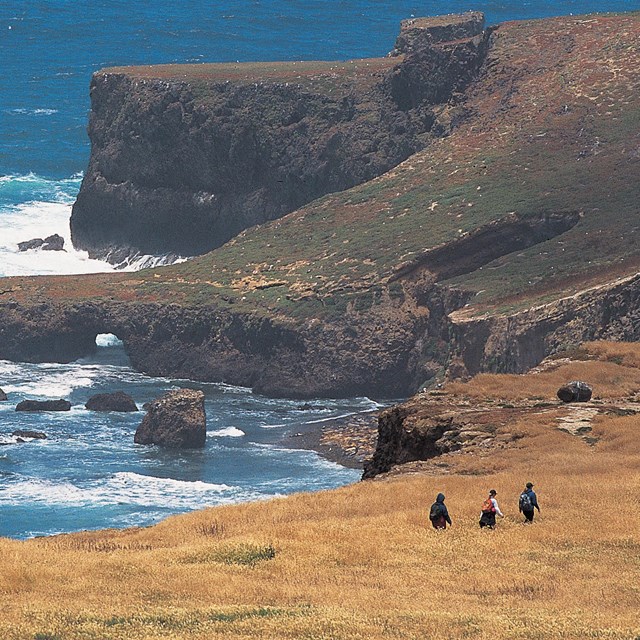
pixel 183 157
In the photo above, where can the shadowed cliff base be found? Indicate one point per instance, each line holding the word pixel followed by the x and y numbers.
pixel 512 237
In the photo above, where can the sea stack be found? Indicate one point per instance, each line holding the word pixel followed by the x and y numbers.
pixel 175 420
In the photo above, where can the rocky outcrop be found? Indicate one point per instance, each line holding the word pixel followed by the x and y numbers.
pixel 20 434
pixel 176 420
pixel 376 351
pixel 185 157
pixel 117 401
pixel 420 33
pixel 520 340
pixel 3 396
pixel 43 405
pixel 385 350
pixel 432 424
pixel 54 242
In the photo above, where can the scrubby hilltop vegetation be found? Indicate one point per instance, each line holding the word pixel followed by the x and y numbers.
pixel 362 562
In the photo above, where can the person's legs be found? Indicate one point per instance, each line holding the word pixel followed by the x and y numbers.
pixel 528 516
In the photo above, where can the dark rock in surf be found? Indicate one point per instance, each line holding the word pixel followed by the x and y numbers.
pixel 175 420
pixel 35 435
pixel 44 405
pixel 3 396
pixel 53 243
pixel 117 401
pixel 34 243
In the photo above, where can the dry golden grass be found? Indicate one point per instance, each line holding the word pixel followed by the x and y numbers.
pixel 361 562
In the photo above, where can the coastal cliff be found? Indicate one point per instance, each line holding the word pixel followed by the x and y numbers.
pixel 513 234
pixel 185 157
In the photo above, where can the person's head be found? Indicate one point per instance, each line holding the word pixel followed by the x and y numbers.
pixel 529 485
pixel 440 497
pixel 493 492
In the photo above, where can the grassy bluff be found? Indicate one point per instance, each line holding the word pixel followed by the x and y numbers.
pixel 493 220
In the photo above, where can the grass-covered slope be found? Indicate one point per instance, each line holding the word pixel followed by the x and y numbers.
pixel 362 562
pixel 551 128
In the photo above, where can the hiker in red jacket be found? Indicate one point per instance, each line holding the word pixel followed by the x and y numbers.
pixel 489 510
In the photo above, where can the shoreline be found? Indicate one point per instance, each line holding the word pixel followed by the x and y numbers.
pixel 348 441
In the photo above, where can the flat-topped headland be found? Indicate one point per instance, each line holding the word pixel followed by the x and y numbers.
pixel 183 157
pixel 443 219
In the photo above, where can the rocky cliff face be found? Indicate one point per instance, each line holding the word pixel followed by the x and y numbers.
pixel 185 157
pixel 364 353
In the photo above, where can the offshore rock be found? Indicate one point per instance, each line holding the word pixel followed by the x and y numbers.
pixel 117 401
pixel 35 435
pixel 54 242
pixel 44 405
pixel 3 396
pixel 176 420
pixel 184 157
pixel 27 245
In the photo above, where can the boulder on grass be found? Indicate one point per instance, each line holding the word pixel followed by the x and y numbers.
pixel 175 420
pixel 44 405
pixel 117 401
pixel 575 391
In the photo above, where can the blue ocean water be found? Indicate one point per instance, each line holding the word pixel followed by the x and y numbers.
pixel 88 474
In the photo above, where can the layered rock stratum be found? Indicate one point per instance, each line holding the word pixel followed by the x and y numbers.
pixel 509 232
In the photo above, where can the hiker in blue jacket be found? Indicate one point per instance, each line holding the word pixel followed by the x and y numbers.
pixel 528 502
pixel 439 515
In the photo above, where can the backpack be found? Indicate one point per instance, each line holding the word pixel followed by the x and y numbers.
pixel 487 506
pixel 436 511
pixel 525 502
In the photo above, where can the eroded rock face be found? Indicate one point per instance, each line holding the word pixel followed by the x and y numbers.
pixel 434 423
pixel 117 401
pixel 182 165
pixel 175 420
pixel 44 405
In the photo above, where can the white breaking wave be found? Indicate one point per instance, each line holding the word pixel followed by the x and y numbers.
pixel 227 432
pixel 34 112
pixel 46 381
pixel 35 207
pixel 122 488
pixel 108 340
pixel 39 220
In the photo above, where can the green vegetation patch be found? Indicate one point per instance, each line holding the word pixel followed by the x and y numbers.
pixel 245 554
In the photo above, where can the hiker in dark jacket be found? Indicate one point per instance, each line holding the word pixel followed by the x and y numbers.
pixel 439 515
pixel 528 502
